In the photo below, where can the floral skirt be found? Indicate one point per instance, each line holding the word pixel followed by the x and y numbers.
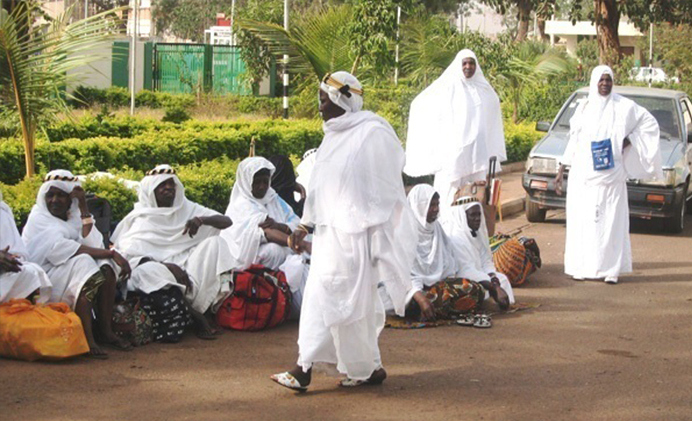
pixel 452 297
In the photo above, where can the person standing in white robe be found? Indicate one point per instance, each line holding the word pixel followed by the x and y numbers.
pixel 61 237
pixel 455 126
pixel 262 222
pixel 18 277
pixel 466 227
pixel 611 139
pixel 364 234
pixel 171 241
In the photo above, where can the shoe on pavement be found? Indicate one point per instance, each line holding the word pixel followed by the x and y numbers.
pixel 611 280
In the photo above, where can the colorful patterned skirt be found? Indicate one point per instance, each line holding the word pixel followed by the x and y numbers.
pixel 455 296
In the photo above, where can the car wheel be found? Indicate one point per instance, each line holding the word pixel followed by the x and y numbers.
pixel 533 212
pixel 676 223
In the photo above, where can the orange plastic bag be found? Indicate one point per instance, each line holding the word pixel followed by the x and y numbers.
pixel 31 332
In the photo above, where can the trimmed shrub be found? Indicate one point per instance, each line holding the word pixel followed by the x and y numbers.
pixel 519 139
pixel 176 114
pixel 186 144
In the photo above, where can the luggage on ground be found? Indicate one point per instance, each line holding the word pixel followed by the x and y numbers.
pixel 132 323
pixel 261 299
pixel 168 312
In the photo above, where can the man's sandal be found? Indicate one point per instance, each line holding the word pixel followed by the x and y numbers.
pixel 376 378
pixel 482 321
pixel 465 320
pixel 287 380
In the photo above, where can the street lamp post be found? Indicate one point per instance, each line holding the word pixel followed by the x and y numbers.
pixel 133 57
pixel 396 54
pixel 285 74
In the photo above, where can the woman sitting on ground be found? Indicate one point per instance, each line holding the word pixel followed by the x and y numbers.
pixel 262 223
pixel 467 230
pixel 435 266
pixel 61 237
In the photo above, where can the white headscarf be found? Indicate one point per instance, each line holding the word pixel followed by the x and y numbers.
pixel 455 124
pixel 247 212
pixel 9 235
pixel 43 230
pixel 435 259
pixel 613 117
pixel 352 104
pixel 151 231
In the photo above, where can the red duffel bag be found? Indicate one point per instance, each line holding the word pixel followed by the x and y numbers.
pixel 261 299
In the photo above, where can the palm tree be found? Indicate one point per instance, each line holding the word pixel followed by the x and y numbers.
pixel 35 65
pixel 317 43
pixel 531 63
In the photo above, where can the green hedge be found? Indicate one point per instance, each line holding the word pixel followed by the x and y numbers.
pixel 115 96
pixel 178 145
pixel 208 183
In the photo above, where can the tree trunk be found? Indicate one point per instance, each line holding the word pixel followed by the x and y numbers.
pixel 541 30
pixel 524 8
pixel 607 22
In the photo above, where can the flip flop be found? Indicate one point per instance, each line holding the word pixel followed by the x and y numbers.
pixel 482 321
pixel 376 378
pixel 287 380
pixel 465 320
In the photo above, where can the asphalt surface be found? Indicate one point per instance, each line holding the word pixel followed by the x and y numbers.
pixel 590 351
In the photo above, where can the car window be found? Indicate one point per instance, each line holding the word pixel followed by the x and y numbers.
pixel 663 109
pixel 686 111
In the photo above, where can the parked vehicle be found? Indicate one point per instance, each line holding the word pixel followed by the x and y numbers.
pixel 651 74
pixel 668 198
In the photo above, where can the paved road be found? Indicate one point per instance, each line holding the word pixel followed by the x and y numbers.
pixel 590 352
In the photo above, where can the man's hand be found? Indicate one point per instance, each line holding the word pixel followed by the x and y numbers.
pixel 295 240
pixel 268 223
pixel 192 226
pixel 180 275
pixel 559 180
pixel 9 262
pixel 426 308
pixel 125 269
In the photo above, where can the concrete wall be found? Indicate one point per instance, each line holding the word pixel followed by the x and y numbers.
pixel 98 74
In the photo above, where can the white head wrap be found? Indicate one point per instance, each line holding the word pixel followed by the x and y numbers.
pixel 435 259
pixel 455 124
pixel 352 104
pixel 157 232
pixel 242 202
pixel 42 229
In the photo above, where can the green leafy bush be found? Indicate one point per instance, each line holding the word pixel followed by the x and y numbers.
pixel 176 114
pixel 271 107
pixel 519 139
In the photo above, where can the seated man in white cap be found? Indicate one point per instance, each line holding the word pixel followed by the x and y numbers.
pixel 170 240
pixel 262 222
pixel 18 277
pixel 61 237
pixel 363 235
pixel 466 227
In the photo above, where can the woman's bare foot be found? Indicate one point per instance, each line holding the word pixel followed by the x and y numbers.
pixel 95 351
pixel 203 329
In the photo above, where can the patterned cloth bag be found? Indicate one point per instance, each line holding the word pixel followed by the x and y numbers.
pixel 131 322
pixel 455 296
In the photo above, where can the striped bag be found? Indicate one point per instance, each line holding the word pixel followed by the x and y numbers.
pixel 516 257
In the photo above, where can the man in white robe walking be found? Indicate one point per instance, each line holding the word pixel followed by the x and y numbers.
pixel 455 126
pixel 364 234
pixel 611 139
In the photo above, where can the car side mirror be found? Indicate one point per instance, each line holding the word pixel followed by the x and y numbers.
pixel 542 126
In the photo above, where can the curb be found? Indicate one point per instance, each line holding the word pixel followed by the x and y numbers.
pixel 512 207
pixel 514 167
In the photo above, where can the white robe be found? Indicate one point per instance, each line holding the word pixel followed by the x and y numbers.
pixel 31 277
pixel 364 234
pixel 455 126
pixel 475 257
pixel 150 232
pixel 597 242
pixel 53 244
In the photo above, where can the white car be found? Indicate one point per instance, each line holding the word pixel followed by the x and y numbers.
pixel 652 74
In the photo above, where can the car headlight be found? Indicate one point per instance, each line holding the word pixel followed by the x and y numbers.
pixel 669 179
pixel 545 166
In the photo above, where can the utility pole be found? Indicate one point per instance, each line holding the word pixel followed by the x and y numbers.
pixel 651 51
pixel 396 54
pixel 285 63
pixel 133 56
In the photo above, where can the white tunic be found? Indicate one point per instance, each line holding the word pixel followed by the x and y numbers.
pixel 364 234
pixel 31 277
pixel 157 233
pixel 455 126
pixel 53 244
pixel 597 242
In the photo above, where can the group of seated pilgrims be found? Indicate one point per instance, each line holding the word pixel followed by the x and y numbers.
pixel 168 242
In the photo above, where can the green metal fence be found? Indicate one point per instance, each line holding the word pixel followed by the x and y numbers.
pixel 187 68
